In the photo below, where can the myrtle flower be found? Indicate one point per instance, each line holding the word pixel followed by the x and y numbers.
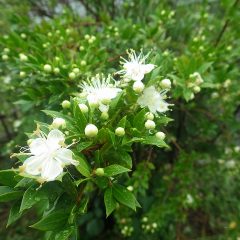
pixel 153 100
pixel 100 91
pixel 49 157
pixel 135 68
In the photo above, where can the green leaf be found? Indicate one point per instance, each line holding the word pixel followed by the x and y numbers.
pixel 7 177
pixel 123 196
pixel 122 122
pixel 79 117
pixel 62 235
pixel 115 169
pixel 9 194
pixel 83 167
pixel 31 197
pixel 139 119
pixel 15 213
pixel 152 140
pixel 109 201
pixel 56 220
pixel 69 186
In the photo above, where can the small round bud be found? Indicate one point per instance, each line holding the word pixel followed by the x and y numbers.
pixel 149 116
pixel 47 68
pixel 58 122
pixel 22 74
pixel 160 135
pixel 6 50
pixel 99 172
pixel 81 48
pixel 120 131
pixel 23 35
pixel 105 100
pixel 154 225
pixel 149 124
pixel 196 89
pixel 138 87
pixel 66 104
pixel 91 130
pixel 72 75
pixel 215 95
pixel 57 59
pixel 56 70
pixel 104 116
pixel 87 36
pixel 4 57
pixel 130 188
pixel 23 57
pixel 83 107
pixel 83 63
pixel 166 83
pixel 76 70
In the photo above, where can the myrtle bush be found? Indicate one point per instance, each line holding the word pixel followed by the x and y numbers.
pixel 119 119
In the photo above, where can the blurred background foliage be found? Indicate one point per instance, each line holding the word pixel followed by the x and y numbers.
pixel 190 191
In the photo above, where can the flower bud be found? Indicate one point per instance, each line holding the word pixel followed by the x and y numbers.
pixel 165 83
pixel 72 75
pixel 4 57
pixel 58 122
pixel 81 48
pixel 22 74
pixel 149 124
pixel 93 102
pixel 138 87
pixel 104 116
pixel 120 132
pixel 83 63
pixel 91 130
pixel 83 107
pixel 99 172
pixel 149 116
pixel 56 70
pixel 130 188
pixel 196 89
pixel 76 70
pixel 160 135
pixel 6 50
pixel 23 35
pixel 23 57
pixel 66 104
pixel 47 68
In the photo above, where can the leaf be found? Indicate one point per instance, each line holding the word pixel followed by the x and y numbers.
pixel 152 140
pixel 79 117
pixel 57 219
pixel 62 235
pixel 14 214
pixel 31 197
pixel 9 194
pixel 125 197
pixel 69 186
pixel 83 145
pixel 115 169
pixel 83 167
pixel 109 201
pixel 139 119
pixel 7 177
pixel 122 122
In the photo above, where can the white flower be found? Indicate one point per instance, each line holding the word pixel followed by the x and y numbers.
pixel 135 68
pixel 100 91
pixel 48 156
pixel 153 100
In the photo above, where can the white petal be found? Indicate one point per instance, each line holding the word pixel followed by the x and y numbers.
pixel 38 146
pixel 33 165
pixel 103 108
pixel 137 76
pixel 54 139
pixel 147 68
pixel 64 156
pixel 51 170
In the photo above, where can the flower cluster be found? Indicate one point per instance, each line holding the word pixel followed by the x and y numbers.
pixel 48 153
